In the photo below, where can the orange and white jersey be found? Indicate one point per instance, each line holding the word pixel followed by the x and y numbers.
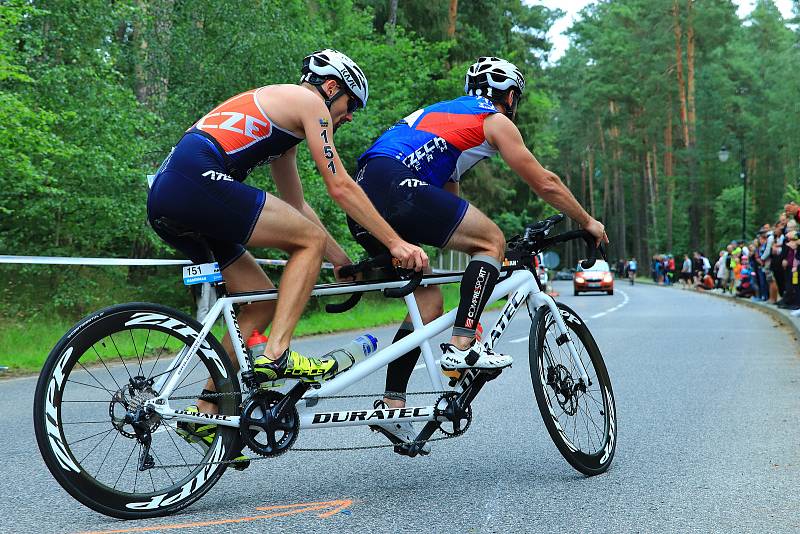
pixel 245 133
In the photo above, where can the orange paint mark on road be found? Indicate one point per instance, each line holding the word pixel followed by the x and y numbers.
pixel 288 509
pixel 337 506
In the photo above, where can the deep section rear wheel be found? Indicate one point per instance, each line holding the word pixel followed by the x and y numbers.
pixel 580 417
pixel 103 370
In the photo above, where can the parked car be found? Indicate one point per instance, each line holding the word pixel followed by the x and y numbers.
pixel 597 278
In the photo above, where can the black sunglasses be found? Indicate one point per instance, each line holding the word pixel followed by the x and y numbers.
pixel 353 103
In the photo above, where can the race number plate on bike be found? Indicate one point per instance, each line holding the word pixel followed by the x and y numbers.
pixel 201 274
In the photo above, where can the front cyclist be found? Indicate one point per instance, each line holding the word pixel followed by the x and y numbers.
pixel 201 187
pixel 411 174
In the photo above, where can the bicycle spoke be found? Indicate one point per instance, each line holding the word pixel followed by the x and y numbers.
pixel 166 471
pixel 111 337
pixel 106 456
pixel 104 365
pixel 87 437
pixel 596 428
pixel 89 386
pixel 83 423
pixel 177 448
pixel 135 443
pixel 94 377
pixel 193 383
pixel 136 351
pixel 187 375
pixel 158 357
pixel 96 445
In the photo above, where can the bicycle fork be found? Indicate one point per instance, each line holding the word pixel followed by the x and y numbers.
pixel 530 293
pixel 564 338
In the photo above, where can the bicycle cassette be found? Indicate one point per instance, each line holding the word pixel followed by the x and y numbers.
pixel 268 426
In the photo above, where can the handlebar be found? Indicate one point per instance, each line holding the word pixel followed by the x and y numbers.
pixel 380 261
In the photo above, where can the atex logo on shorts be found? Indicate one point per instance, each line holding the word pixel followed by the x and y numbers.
pixel 214 175
pixel 413 182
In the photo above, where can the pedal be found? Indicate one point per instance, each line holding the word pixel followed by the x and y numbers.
pixel 454 375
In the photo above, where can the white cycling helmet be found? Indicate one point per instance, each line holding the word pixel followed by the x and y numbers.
pixel 329 63
pixel 490 74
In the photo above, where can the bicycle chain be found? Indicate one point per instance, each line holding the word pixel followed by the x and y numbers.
pixel 315 449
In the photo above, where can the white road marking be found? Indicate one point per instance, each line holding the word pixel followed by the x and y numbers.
pixel 519 339
pixel 625 300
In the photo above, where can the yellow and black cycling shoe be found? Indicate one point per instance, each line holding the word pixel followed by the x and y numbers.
pixel 292 364
pixel 204 436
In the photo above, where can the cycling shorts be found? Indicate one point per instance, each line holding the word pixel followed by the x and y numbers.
pixel 193 189
pixel 419 212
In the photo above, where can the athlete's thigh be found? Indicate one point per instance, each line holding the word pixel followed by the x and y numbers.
pixel 244 274
pixel 281 226
pixel 476 232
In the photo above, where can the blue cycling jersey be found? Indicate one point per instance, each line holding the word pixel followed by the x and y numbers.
pixel 438 143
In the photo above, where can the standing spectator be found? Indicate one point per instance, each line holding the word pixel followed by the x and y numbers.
pixel 791 299
pixel 686 271
pixel 706 264
pixel 697 268
pixel 721 270
pixel 670 269
pixel 658 268
pixel 632 267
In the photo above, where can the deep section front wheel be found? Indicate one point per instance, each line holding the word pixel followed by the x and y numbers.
pixel 92 422
pixel 580 416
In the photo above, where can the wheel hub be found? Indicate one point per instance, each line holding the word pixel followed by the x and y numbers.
pixel 566 389
pixel 126 405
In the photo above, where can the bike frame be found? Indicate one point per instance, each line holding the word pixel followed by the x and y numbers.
pixel 521 286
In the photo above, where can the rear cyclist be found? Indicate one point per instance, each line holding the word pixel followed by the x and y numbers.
pixel 411 174
pixel 201 187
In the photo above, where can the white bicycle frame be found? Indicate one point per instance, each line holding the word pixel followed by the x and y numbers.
pixel 521 287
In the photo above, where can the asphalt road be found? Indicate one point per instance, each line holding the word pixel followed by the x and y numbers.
pixel 708 401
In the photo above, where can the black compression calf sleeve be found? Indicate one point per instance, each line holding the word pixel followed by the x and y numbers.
pixel 477 285
pixel 398 373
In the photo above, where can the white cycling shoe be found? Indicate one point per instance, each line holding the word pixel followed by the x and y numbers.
pixel 477 356
pixel 404 432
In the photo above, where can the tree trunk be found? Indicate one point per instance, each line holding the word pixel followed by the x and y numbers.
pixel 618 192
pixel 679 71
pixel 602 136
pixel 668 177
pixel 451 19
pixel 591 183
pixel 392 13
pixel 152 65
pixel 692 112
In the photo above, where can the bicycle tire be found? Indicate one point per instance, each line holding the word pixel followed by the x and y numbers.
pixel 548 373
pixel 97 333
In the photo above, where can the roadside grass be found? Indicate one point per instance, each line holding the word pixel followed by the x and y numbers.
pixel 26 343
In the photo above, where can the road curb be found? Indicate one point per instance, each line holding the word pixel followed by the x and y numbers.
pixel 776 314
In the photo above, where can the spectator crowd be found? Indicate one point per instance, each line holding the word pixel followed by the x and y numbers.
pixel 765 269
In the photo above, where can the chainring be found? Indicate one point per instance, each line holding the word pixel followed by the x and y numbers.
pixel 449 428
pixel 261 431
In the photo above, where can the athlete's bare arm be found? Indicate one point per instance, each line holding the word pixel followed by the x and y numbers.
pixel 504 135
pixel 317 126
pixel 284 172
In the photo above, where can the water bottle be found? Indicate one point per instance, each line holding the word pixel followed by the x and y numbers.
pixel 353 352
